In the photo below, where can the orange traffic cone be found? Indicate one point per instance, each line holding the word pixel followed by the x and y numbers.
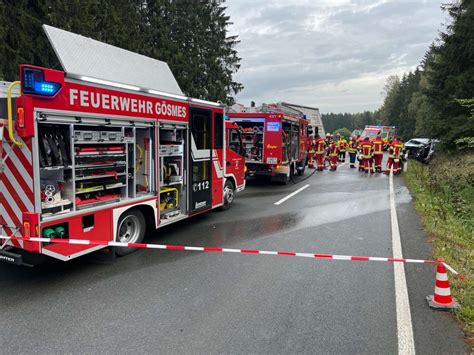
pixel 442 299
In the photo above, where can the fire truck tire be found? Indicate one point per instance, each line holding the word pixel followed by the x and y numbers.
pixel 301 168
pixel 287 178
pixel 229 193
pixel 131 229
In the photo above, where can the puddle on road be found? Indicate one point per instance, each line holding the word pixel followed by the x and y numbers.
pixel 329 208
pixel 335 209
pixel 243 230
pixel 332 209
pixel 402 195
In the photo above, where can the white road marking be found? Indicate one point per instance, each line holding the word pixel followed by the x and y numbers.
pixel 406 342
pixel 291 195
pixel 341 165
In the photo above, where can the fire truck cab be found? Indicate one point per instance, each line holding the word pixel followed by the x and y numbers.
pixel 93 159
pixel 275 140
pixel 386 132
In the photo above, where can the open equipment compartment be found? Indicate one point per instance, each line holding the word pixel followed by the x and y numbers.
pixel 56 169
pixel 173 171
pixel 252 138
pixel 100 165
pixel 87 163
pixel 143 163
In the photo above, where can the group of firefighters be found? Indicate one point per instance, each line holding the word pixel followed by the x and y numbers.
pixel 368 152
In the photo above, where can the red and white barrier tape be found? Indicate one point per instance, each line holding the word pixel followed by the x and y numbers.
pixel 228 250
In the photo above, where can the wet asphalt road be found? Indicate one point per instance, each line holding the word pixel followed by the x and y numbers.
pixel 188 302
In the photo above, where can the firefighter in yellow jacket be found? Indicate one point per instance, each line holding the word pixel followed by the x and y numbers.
pixel 342 144
pixel 352 150
pixel 378 152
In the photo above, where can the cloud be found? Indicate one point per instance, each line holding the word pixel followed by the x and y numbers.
pixel 331 54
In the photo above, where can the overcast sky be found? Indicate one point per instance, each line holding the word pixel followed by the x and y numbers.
pixel 331 54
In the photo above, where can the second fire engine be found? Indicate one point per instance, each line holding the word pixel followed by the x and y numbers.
pixel 275 140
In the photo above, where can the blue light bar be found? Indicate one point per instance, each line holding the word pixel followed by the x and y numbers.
pixel 33 83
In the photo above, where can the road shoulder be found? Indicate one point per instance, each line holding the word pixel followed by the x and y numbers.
pixel 427 324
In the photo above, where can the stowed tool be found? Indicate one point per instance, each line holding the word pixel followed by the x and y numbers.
pixel 99 150
pixel 100 169
pixel 63 145
pixel 105 173
pixel 139 158
pixel 169 203
pixel 54 148
pixel 146 162
pixel 52 198
pixel 80 201
pixel 45 150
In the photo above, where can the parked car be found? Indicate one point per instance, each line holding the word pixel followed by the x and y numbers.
pixel 413 146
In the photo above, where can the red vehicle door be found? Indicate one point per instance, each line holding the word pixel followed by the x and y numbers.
pixel 235 161
pixel 218 158
pixel 273 151
pixel 200 184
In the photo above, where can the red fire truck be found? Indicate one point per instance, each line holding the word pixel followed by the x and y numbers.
pixel 103 161
pixel 275 140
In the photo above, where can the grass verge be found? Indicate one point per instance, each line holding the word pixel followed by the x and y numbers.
pixel 443 194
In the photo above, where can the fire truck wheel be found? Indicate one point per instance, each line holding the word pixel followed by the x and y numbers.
pixel 287 178
pixel 301 168
pixel 131 229
pixel 229 191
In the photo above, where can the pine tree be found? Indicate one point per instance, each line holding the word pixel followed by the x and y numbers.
pixel 390 110
pixel 192 37
pixel 350 121
pixel 22 40
pixel 450 73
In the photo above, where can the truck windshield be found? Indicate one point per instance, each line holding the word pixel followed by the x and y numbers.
pixel 369 134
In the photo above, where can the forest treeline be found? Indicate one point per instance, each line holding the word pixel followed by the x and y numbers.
pixel 192 38
pixel 351 121
pixel 437 98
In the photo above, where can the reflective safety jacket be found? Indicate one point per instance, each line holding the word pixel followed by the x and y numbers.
pixel 333 149
pixel 327 142
pixel 342 143
pixel 320 145
pixel 378 145
pixel 366 149
pixel 395 149
pixel 352 146
pixel 312 145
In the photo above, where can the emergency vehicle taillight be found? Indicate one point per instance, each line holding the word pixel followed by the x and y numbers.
pixel 20 117
pixel 33 83
pixel 26 229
